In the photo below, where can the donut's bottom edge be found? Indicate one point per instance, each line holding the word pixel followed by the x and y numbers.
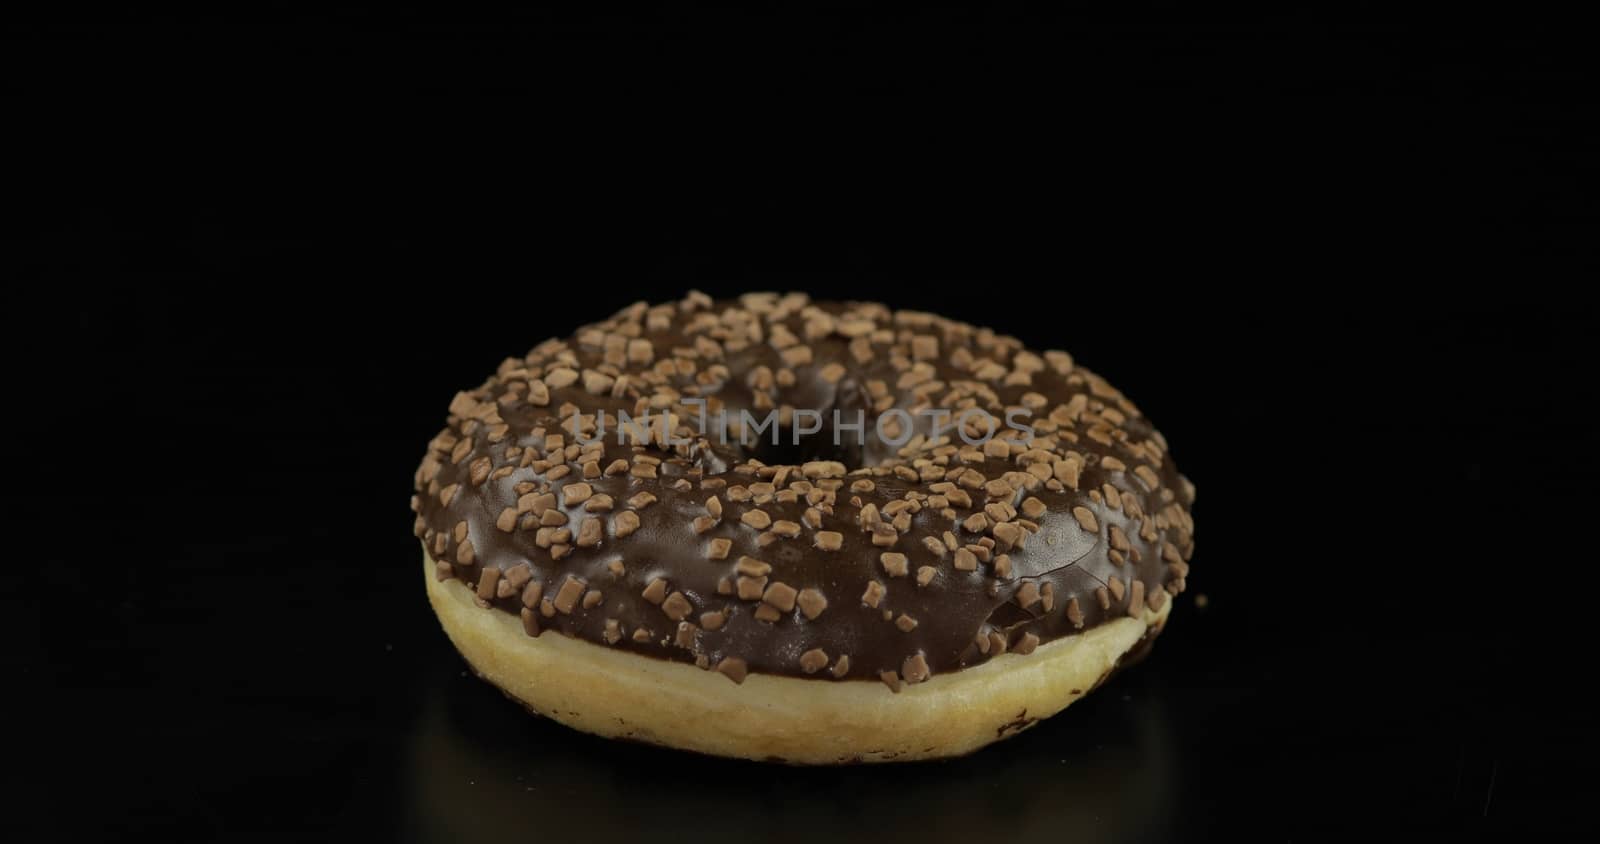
pixel 791 720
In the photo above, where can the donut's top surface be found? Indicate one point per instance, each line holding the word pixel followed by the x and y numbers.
pixel 864 549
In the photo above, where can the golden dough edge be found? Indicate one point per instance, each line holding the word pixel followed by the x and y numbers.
pixel 617 694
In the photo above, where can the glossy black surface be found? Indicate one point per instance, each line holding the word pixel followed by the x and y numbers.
pixel 1324 261
pixel 264 663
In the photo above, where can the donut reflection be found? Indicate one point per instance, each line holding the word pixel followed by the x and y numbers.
pixel 482 769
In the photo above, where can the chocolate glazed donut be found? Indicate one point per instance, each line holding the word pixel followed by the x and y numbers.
pixel 968 536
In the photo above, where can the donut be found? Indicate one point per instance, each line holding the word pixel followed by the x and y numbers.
pixel 812 532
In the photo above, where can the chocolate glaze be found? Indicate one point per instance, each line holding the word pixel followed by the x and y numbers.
pixel 954 612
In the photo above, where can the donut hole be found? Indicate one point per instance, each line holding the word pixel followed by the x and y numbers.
pixel 790 449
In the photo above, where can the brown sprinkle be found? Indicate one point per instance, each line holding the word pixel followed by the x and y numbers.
pixel 813 660
pixel 504 589
pixel 625 523
pixel 780 595
pixel 487 580
pixel 571 590
pixel 656 591
pixel 1148 476
pixel 733 668
pixel 752 567
pixel 751 588
pixel 677 607
pixel 812 602
pixel 536 503
pixel 590 532
pixel 999 511
pixel 1075 613
pixel 915 668
pixel 518 576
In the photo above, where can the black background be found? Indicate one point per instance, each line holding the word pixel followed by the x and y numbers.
pixel 1339 261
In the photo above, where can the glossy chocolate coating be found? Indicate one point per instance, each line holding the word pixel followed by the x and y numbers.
pixel 961 617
